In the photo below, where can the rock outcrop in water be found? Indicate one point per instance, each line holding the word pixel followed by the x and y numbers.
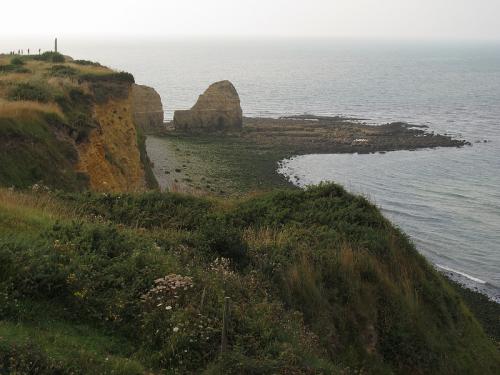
pixel 147 108
pixel 218 108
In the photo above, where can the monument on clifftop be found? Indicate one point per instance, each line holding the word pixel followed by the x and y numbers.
pixel 217 109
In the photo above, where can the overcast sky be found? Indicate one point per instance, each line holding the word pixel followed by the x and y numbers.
pixel 415 19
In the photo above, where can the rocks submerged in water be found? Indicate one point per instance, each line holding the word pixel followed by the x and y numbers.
pixel 217 109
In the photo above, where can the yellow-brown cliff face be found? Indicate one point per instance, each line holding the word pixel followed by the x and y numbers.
pixel 111 157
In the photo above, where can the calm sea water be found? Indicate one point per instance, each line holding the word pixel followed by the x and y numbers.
pixel 447 200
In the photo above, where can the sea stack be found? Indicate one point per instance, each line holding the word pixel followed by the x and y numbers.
pixel 217 109
pixel 147 108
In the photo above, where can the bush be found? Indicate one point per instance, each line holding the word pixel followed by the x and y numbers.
pixel 62 71
pixel 27 358
pixel 119 77
pixel 77 108
pixel 13 69
pixel 30 92
pixel 96 271
pixel 50 159
pixel 220 238
pixel 86 63
pixel 17 61
pixel 149 210
pixel 109 86
pixel 54 57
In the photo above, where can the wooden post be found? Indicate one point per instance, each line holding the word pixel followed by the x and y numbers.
pixel 55 46
pixel 203 299
pixel 225 320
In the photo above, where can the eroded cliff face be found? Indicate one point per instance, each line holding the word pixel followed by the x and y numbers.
pixel 111 156
pixel 147 109
pixel 218 108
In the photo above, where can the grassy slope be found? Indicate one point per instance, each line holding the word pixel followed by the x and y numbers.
pixel 319 282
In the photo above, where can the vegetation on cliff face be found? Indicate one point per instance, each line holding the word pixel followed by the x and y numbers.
pixel 30 152
pixel 319 282
pixel 56 114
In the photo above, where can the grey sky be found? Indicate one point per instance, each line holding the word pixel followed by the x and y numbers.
pixel 416 19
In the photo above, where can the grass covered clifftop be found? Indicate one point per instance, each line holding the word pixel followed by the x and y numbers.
pixel 68 124
pixel 319 282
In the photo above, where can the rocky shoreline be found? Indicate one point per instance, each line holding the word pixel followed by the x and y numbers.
pixel 318 134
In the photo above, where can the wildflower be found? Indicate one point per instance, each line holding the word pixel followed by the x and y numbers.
pixel 168 308
pixel 176 329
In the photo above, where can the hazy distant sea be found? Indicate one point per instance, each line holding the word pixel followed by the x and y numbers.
pixel 447 200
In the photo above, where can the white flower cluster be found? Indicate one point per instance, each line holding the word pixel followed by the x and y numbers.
pixel 221 266
pixel 167 290
pixel 38 188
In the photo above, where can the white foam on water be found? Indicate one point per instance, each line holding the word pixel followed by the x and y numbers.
pixel 475 279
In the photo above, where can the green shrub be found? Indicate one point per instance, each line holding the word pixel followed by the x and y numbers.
pixel 62 71
pixel 109 85
pixel 219 238
pixel 17 61
pixel 77 108
pixel 86 63
pixel 27 358
pixel 148 210
pixel 30 92
pixel 13 69
pixel 97 271
pixel 54 57
pixel 118 77
pixel 49 160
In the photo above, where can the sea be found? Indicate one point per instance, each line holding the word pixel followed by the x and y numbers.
pixel 447 199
